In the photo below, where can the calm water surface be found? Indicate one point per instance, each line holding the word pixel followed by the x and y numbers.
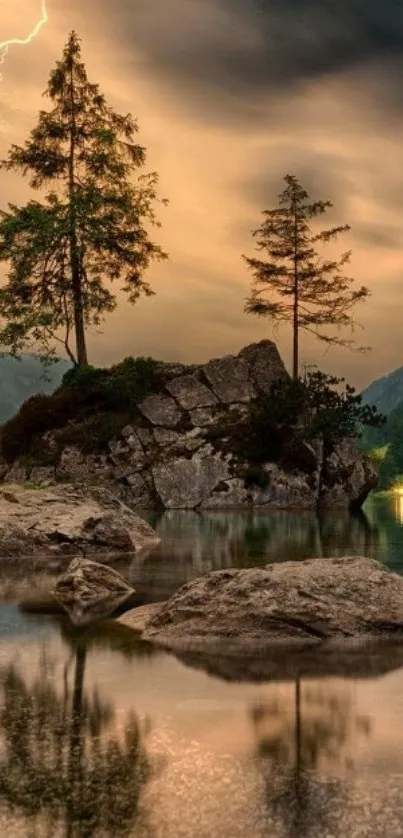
pixel 101 735
pixel 193 544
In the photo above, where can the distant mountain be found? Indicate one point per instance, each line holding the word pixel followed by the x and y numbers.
pixel 21 379
pixel 385 393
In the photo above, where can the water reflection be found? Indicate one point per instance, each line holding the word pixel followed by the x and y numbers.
pixel 193 544
pixel 314 728
pixel 64 766
pixel 302 745
pixel 398 504
pixel 196 543
pixel 305 757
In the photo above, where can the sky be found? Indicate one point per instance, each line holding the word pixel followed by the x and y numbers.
pixel 232 95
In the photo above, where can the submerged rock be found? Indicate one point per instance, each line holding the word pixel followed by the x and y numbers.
pixel 311 602
pixel 90 591
pixel 62 521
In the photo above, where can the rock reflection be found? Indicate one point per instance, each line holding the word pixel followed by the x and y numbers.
pixel 193 543
pixel 108 636
pixel 304 750
pixel 64 766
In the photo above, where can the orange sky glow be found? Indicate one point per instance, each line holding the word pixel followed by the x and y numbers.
pixel 223 121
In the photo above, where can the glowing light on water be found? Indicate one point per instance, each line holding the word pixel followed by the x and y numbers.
pixel 397 493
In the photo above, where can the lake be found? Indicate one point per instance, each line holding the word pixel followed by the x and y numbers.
pixel 104 736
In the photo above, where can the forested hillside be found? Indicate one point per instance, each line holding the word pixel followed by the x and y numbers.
pixel 385 393
pixel 386 444
pixel 21 379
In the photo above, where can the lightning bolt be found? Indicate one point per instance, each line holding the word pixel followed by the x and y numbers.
pixel 21 42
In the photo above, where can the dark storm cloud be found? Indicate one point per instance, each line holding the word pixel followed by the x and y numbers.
pixel 323 175
pixel 249 48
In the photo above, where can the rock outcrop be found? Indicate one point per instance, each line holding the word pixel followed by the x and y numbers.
pixel 90 591
pixel 169 456
pixel 314 602
pixel 61 521
pixel 348 477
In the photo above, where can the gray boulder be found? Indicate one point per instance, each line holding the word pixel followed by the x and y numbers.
pixel 163 436
pixel 229 379
pixel 184 483
pixel 283 491
pixel 264 363
pixel 139 493
pixel 75 467
pixel 126 458
pixel 190 392
pixel 89 591
pixel 313 602
pixel 348 477
pixel 201 417
pixel 160 410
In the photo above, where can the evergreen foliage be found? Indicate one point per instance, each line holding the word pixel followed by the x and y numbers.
pixel 385 445
pixel 65 254
pixel 294 284
pixel 90 407
pixel 316 407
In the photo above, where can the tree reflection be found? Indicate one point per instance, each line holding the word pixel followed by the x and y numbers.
pixel 196 543
pixel 62 765
pixel 300 752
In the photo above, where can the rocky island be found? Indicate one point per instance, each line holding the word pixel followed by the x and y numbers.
pixel 169 443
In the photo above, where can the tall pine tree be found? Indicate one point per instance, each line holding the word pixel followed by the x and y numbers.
pixel 91 228
pixel 294 284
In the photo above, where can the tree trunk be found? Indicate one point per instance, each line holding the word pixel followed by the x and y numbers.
pixel 295 348
pixel 295 360
pixel 75 266
pixel 79 329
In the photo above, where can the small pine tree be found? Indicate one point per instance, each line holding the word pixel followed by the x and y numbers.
pixel 90 231
pixel 294 284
